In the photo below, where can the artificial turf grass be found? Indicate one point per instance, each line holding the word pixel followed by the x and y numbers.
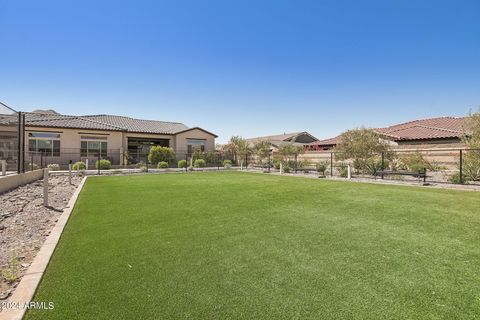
pixel 237 245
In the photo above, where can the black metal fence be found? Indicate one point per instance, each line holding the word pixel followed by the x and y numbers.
pixel 11 139
pixel 456 166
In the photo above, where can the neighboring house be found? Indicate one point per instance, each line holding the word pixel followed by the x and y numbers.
pixel 121 139
pixel 443 132
pixel 300 138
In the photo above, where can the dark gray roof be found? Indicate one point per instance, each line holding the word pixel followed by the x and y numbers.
pixel 103 122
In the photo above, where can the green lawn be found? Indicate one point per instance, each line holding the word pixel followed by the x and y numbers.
pixel 251 246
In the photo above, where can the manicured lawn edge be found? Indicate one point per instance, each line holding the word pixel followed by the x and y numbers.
pixel 28 285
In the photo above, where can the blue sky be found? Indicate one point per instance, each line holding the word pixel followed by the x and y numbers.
pixel 244 67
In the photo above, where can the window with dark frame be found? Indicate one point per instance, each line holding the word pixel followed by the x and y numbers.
pixel 46 143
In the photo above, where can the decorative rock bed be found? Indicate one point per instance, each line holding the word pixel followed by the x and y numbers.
pixel 25 223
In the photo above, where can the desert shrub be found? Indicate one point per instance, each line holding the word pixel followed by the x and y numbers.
pixel 286 169
pixel 227 164
pixel 374 165
pixel 199 163
pixel 79 165
pixel 455 178
pixel 32 166
pixel 53 167
pixel 143 169
pixel 322 167
pixel 276 164
pixel 159 153
pixel 471 165
pixel 103 164
pixel 10 274
pixel 182 163
pixel 415 162
pixel 343 170
pixel 139 164
pixel 162 165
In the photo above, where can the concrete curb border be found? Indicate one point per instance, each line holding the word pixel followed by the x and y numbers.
pixel 25 290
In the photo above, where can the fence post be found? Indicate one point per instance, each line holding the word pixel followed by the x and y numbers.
pixel 269 162
pixel 349 172
pixel 246 161
pixel 382 166
pixel 41 160
pixel 45 187
pixel 86 163
pixel 70 172
pixel 98 164
pixel 331 164
pixel 461 166
pixel 31 161
pixel 4 167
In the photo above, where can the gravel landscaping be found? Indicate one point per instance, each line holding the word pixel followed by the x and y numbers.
pixel 25 223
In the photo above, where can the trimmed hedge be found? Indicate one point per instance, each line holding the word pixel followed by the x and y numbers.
pixel 162 165
pixel 103 164
pixel 199 163
pixel 182 163
pixel 79 165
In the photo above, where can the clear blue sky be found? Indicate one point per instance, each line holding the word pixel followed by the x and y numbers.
pixel 244 67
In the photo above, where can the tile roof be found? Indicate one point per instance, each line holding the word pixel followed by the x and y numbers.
pixel 103 122
pixel 433 128
pixel 278 137
pixel 424 129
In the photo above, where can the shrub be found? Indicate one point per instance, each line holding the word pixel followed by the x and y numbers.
pixel 374 165
pixel 32 166
pixel 140 164
pixel 199 163
pixel 159 153
pixel 227 164
pixel 276 164
pixel 53 167
pixel 79 165
pixel 162 165
pixel 182 163
pixel 343 170
pixel 103 164
pixel 416 162
pixel 322 167
pixel 455 178
pixel 143 169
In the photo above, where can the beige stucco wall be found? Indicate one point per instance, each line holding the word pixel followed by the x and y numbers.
pixel 70 138
pixel 181 140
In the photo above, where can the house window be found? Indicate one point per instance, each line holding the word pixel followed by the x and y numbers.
pixel 93 146
pixel 46 143
pixel 195 144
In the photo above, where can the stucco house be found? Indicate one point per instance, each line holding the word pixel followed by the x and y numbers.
pixel 123 140
pixel 299 138
pixel 442 132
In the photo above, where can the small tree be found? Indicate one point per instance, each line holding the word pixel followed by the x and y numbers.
pixel 361 146
pixel 262 150
pixel 288 152
pixel 159 153
pixel 322 167
pixel 471 159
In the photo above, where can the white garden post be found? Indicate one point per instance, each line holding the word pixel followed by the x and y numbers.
pixel 45 187
pixel 69 173
pixel 281 167
pixel 349 172
pixel 86 164
pixel 4 167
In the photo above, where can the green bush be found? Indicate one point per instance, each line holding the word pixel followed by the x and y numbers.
pixel 79 165
pixel 139 164
pixel 199 163
pixel 416 162
pixel 103 164
pixel 227 164
pixel 455 178
pixel 182 163
pixel 159 153
pixel 53 167
pixel 374 165
pixel 276 164
pixel 343 171
pixel 162 165
pixel 322 167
